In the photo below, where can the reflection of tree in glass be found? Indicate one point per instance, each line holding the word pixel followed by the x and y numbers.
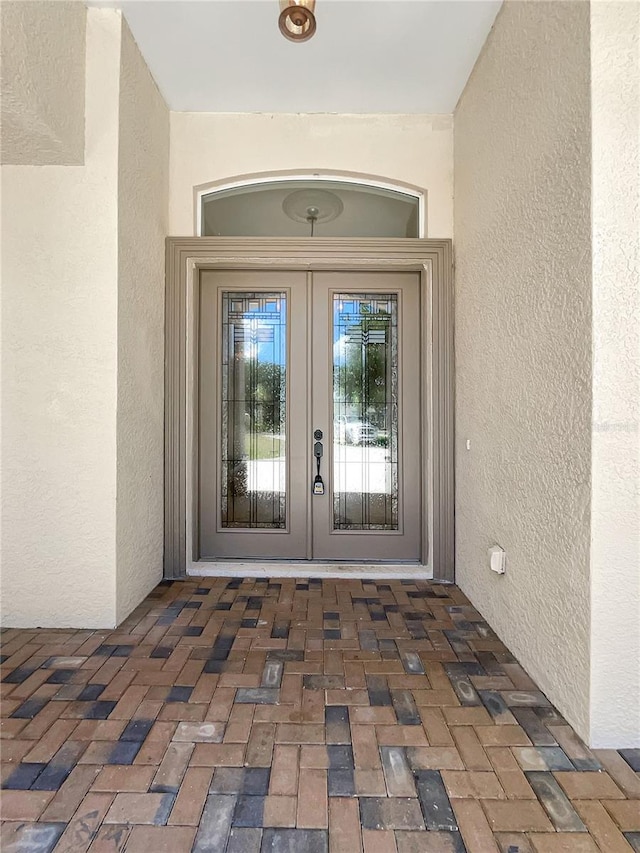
pixel 361 385
pixel 265 395
pixel 259 435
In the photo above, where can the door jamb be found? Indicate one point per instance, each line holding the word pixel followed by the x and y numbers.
pixel 186 256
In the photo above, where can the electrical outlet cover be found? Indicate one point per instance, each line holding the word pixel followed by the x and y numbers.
pixel 497 559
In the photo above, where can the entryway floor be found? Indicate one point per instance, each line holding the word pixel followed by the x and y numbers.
pixel 293 716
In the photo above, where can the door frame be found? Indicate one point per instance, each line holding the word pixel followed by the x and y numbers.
pixel 186 256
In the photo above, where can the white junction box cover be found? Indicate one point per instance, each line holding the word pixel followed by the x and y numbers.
pixel 497 559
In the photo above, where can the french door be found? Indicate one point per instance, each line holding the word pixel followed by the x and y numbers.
pixel 309 416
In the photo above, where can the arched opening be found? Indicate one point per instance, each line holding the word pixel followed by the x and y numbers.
pixel 310 205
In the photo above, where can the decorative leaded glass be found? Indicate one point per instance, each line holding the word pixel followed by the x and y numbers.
pixel 253 428
pixel 365 411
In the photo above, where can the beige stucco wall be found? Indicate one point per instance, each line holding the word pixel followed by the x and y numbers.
pixel 82 354
pixel 42 62
pixel 615 510
pixel 523 341
pixel 143 184
pixel 59 327
pixel 413 149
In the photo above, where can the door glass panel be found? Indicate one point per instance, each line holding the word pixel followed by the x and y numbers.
pixel 365 411
pixel 253 411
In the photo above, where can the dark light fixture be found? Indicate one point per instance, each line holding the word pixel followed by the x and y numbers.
pixel 297 21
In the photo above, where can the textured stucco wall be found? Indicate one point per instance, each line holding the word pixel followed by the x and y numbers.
pixel 615 518
pixel 82 357
pixel 413 149
pixel 59 304
pixel 143 182
pixel 523 336
pixel 42 68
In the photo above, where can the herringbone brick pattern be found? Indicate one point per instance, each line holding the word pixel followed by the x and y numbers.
pixel 284 716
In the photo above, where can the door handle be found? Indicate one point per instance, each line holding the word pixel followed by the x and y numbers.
pixel 318 450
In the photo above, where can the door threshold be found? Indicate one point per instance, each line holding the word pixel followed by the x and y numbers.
pixel 308 569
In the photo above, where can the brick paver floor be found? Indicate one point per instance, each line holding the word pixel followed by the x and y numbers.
pixel 238 716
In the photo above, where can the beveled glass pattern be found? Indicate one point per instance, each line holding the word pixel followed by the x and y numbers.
pixel 253 422
pixel 365 411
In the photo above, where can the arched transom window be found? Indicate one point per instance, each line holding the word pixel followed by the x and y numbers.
pixel 310 206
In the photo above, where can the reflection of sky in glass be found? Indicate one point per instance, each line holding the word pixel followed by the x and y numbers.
pixel 343 312
pixel 348 322
pixel 262 340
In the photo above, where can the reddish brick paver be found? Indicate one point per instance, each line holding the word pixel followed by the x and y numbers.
pixel 277 716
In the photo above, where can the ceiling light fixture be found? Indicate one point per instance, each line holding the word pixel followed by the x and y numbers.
pixel 297 21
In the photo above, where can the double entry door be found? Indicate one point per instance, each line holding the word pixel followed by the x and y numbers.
pixel 309 416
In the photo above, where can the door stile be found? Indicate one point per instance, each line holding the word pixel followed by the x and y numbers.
pixel 425 303
pixel 310 427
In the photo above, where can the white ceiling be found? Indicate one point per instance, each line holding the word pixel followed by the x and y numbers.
pixel 367 56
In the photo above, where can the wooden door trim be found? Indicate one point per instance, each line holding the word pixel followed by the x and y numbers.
pixel 186 256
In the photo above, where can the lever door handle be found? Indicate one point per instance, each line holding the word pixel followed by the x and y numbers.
pixel 318 450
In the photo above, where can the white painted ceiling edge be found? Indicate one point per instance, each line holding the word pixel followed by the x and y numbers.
pixel 367 56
